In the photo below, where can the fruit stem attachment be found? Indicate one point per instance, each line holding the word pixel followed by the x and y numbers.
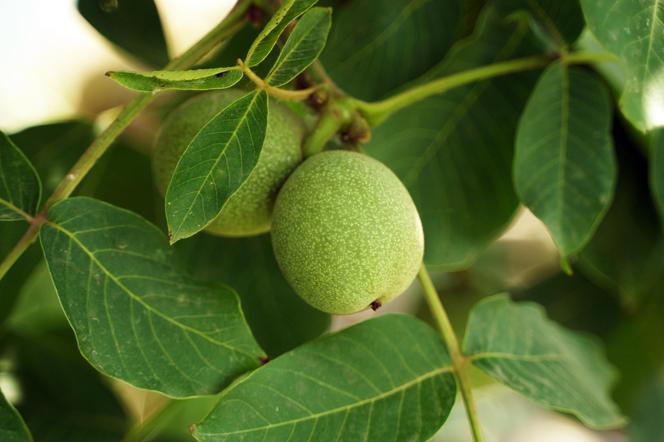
pixel 224 30
pixel 459 360
pixel 284 94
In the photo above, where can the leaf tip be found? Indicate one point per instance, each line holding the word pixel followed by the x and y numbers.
pixel 566 266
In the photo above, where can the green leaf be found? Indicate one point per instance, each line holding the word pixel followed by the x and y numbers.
pixel 626 254
pixel 454 151
pixel 37 309
pixel 657 169
pixel 133 189
pixel 647 424
pixel 191 80
pixel 634 30
pixel 564 165
pixel 303 46
pixel 559 23
pixel 62 397
pixel 12 427
pixel 517 345
pixel 377 45
pixel 132 25
pixel 215 164
pixel 387 378
pixel 20 188
pixel 279 318
pixel 54 148
pixel 264 43
pixel 136 316
pixel 13 282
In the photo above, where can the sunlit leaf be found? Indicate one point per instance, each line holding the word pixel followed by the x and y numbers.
pixel 517 345
pixel 303 46
pixel 634 30
pixel 193 80
pixel 12 427
pixel 264 43
pixel 454 151
pixel 136 316
pixel 132 25
pixel 377 45
pixel 387 378
pixel 564 165
pixel 215 164
pixel 20 188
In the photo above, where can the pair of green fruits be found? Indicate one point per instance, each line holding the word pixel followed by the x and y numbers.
pixel 345 232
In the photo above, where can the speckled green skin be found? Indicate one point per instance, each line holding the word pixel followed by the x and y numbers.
pixel 346 232
pixel 248 211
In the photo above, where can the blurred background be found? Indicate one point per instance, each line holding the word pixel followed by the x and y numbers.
pixel 53 90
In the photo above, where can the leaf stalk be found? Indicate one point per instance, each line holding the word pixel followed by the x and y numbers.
pixel 459 360
pixel 284 94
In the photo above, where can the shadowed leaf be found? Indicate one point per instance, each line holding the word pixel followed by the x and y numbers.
pixel 20 188
pixel 454 151
pixel 558 23
pixel 12 427
pixel 377 45
pixel 132 25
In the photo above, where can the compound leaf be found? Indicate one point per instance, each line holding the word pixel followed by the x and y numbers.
pixel 136 316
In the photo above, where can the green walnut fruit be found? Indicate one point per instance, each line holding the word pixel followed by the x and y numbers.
pixel 346 233
pixel 248 211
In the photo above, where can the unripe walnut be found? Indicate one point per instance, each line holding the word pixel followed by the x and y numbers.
pixel 346 232
pixel 248 211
